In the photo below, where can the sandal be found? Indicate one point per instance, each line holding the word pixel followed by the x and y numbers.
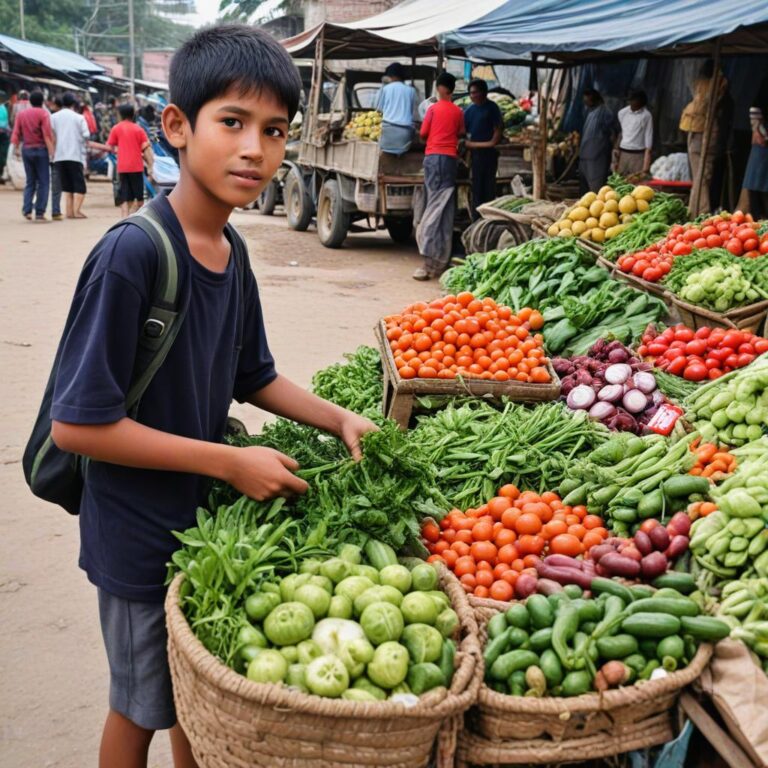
pixel 421 274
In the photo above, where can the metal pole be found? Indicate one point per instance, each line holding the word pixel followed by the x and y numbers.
pixel 706 139
pixel 21 19
pixel 131 51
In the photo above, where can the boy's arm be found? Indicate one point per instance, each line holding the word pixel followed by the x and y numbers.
pixel 284 398
pixel 260 473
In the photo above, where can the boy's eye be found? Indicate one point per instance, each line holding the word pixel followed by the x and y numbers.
pixel 231 122
pixel 276 132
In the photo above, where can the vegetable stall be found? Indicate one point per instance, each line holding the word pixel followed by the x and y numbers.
pixel 503 578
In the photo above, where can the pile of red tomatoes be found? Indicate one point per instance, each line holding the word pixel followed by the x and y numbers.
pixel 736 232
pixel 707 353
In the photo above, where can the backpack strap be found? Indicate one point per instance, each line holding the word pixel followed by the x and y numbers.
pixel 166 312
pixel 240 255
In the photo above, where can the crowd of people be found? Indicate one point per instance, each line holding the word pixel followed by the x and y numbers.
pixel 57 141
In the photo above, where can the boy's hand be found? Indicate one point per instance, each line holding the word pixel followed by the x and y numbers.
pixel 351 429
pixel 264 473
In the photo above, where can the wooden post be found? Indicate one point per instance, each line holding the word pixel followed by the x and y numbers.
pixel 539 155
pixel 707 137
pixel 317 84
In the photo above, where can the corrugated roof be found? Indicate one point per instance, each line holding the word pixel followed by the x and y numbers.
pixel 52 58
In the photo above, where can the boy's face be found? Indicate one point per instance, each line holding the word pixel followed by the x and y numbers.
pixel 236 147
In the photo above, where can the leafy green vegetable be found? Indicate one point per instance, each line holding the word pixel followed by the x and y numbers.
pixel 355 385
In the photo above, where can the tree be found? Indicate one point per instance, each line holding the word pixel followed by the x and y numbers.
pixel 249 10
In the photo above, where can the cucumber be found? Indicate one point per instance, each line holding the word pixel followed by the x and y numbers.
pixel 576 683
pixel 652 505
pixel 672 646
pixel 640 591
pixel 652 625
pixel 648 648
pixel 496 626
pixel 666 605
pixel 589 610
pixel 669 592
pixel 682 582
pixel 513 661
pixel 541 611
pixel 617 647
pixel 601 586
pixel 574 591
pixel 626 515
pixel 705 628
pixel 541 639
pixel 379 554
pixel 517 616
pixel 551 667
pixel 635 662
pixel 681 486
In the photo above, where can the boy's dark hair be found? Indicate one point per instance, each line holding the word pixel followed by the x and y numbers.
pixel 479 84
pixel 447 80
pixel 216 58
pixel 36 98
pixel 68 99
pixel 57 101
pixel 396 69
pixel 593 94
pixel 639 96
pixel 126 111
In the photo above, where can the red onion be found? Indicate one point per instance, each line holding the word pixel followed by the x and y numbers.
pixel 611 393
pixel 602 410
pixel 645 382
pixel 634 401
pixel 618 355
pixel 618 373
pixel 580 398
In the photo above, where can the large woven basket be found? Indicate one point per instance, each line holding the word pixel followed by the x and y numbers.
pixel 233 722
pixel 753 318
pixel 522 729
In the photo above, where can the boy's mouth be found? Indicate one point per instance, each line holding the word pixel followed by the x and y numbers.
pixel 247 174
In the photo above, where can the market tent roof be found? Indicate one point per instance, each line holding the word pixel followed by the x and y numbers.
pixel 574 29
pixel 52 58
pixel 411 28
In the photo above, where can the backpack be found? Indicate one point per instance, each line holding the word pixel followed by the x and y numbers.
pixel 57 476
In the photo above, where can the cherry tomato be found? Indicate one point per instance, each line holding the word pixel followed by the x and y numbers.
pixel 683 249
pixel 761 346
pixel 657 348
pixel 732 361
pixel 714 241
pixel 735 246
pixel 733 339
pixel 696 347
pixel 714 373
pixel 703 332
pixel 695 372
pixel 683 334
pixel 745 359
pixel 677 366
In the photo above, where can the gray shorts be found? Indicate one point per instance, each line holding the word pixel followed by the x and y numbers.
pixel 140 680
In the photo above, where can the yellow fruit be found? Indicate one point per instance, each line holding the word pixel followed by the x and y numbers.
pixel 565 224
pixel 609 220
pixel 611 206
pixel 586 235
pixel 625 218
pixel 588 199
pixel 596 208
pixel 580 213
pixel 627 204
pixel 565 233
pixel 611 232
pixel 598 235
pixel 578 227
pixel 611 195
pixel 604 191
pixel 591 222
pixel 642 205
pixel 553 229
pixel 641 192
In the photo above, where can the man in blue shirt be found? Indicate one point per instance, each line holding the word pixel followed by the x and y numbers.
pixel 397 102
pixel 597 139
pixel 234 91
pixel 484 124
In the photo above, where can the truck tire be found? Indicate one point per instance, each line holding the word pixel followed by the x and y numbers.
pixel 400 228
pixel 332 221
pixel 267 200
pixel 298 204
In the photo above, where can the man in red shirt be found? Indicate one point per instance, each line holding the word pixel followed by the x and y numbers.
pixel 132 147
pixel 443 125
pixel 32 140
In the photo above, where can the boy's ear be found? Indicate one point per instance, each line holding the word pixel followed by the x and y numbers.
pixel 175 126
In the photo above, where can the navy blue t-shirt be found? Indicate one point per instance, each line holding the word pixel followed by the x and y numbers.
pixel 481 120
pixel 127 515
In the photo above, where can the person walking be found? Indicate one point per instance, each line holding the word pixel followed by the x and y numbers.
pixel 72 138
pixel 756 174
pixel 484 125
pixel 133 149
pixel 55 105
pixel 5 133
pixel 32 140
pixel 635 137
pixel 21 103
pixel 598 136
pixel 397 103
pixel 693 121
pixel 443 125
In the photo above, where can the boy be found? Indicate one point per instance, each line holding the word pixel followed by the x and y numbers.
pixel 443 125
pixel 133 149
pixel 233 92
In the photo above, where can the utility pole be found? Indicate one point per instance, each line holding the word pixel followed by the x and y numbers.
pixel 21 19
pixel 131 49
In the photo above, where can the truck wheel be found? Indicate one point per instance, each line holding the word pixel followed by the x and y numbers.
pixel 332 222
pixel 298 205
pixel 267 199
pixel 400 228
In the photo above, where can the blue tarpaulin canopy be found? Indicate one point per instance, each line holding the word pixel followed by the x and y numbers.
pixel 54 59
pixel 567 29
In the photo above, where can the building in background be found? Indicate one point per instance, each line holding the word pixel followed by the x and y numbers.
pixel 155 64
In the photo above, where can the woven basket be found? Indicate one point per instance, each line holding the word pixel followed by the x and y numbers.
pixel 636 282
pixel 540 730
pixel 750 318
pixel 233 722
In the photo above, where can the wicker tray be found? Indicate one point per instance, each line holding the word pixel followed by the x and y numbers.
pixel 233 722
pixel 591 725
pixel 399 393
pixel 750 318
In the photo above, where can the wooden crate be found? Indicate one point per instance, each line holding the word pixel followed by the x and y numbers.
pixel 399 394
pixel 657 289
pixel 750 318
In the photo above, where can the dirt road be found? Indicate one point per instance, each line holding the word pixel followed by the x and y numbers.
pixel 318 304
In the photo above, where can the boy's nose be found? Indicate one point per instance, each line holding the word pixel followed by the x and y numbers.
pixel 252 147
